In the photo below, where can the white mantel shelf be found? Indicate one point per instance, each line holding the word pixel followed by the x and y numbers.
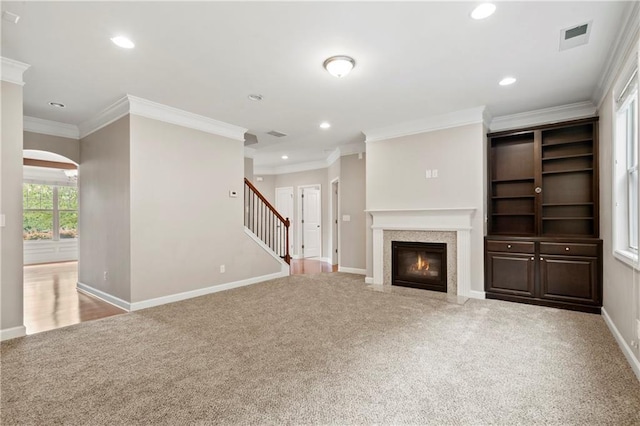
pixel 438 219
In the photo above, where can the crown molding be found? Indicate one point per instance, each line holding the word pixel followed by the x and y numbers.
pixel 105 117
pixel 156 111
pixel 626 42
pixel 12 71
pixel 429 124
pixel 544 116
pixel 341 151
pixel 52 128
pixel 144 108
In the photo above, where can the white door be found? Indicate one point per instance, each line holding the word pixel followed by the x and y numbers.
pixel 311 222
pixel 284 205
pixel 334 223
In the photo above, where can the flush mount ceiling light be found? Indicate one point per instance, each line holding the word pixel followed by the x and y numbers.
pixel 324 125
pixel 57 104
pixel 339 66
pixel 123 42
pixel 483 11
pixel 255 97
pixel 285 157
pixel 507 81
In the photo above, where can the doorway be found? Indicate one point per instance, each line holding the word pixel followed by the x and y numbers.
pixel 310 214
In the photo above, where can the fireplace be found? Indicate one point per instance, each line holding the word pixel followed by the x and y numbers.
pixel 419 265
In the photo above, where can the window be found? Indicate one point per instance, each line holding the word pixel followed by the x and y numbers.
pixel 626 188
pixel 50 212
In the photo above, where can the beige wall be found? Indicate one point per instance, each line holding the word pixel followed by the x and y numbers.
pixel 104 210
pixel 184 225
pixel 395 172
pixel 11 275
pixel 352 194
pixel 267 187
pixel 621 283
pixel 66 147
pixel 310 177
pixel 248 168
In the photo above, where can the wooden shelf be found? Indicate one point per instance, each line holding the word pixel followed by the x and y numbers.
pixel 581 140
pixel 556 172
pixel 568 218
pixel 564 157
pixel 513 214
pixel 513 180
pixel 512 197
pixel 566 204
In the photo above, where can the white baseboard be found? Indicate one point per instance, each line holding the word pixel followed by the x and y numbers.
pixel 368 280
pixel 296 256
pixel 626 350
pixel 474 294
pixel 115 301
pixel 12 333
pixel 136 306
pixel 326 260
pixel 352 270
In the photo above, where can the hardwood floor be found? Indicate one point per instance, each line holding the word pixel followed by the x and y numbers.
pixel 310 266
pixel 51 299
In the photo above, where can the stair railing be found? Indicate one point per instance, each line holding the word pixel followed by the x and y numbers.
pixel 265 222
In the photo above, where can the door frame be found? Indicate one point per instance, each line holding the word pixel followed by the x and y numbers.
pixel 299 218
pixel 334 216
pixel 292 221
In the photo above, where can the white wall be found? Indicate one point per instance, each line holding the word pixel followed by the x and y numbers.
pixel 11 272
pixel 621 283
pixel 184 225
pixel 104 210
pixel 395 179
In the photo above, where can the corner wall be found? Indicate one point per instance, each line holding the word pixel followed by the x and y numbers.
pixel 11 258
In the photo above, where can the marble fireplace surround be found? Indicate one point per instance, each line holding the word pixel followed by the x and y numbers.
pixel 455 220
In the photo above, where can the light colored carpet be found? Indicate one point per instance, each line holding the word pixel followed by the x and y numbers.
pixel 322 349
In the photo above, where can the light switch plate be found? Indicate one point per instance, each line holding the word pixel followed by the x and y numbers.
pixel 3 221
pixel 428 174
pixel 434 173
pixel 346 218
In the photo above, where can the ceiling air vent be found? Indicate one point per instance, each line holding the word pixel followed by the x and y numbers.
pixel 276 134
pixel 574 36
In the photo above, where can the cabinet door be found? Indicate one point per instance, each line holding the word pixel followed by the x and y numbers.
pixel 510 273
pixel 569 279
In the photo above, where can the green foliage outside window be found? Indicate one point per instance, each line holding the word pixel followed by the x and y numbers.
pixel 40 213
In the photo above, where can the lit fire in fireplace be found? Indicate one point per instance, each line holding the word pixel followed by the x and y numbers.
pixel 421 266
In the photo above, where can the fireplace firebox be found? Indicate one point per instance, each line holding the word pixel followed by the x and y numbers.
pixel 419 265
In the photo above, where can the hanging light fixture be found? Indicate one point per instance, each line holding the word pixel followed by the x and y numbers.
pixel 339 66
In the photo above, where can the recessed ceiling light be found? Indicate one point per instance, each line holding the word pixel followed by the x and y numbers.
pixel 339 66
pixel 57 104
pixel 483 11
pixel 507 81
pixel 324 125
pixel 285 157
pixel 123 42
pixel 255 97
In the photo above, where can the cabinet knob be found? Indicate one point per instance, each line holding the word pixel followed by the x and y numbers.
pixel 538 190
pixel 566 249
pixel 508 246
pixel 542 258
pixel 533 258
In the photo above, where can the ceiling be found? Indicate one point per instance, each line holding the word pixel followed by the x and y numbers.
pixel 413 60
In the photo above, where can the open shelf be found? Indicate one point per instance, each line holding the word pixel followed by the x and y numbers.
pixel 555 172
pixel 512 197
pixel 524 179
pixel 566 142
pixel 567 218
pixel 565 204
pixel 565 157
pixel 513 214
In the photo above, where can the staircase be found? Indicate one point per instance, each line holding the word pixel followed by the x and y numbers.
pixel 265 222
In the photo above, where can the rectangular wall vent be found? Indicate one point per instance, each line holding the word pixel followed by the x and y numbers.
pixel 276 134
pixel 574 36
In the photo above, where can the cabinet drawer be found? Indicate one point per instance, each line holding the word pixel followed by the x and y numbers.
pixel 569 249
pixel 510 246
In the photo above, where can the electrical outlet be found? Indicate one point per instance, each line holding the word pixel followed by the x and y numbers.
pixel 222 269
pixel 106 275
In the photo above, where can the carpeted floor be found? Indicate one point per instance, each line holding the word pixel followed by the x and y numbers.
pixel 322 349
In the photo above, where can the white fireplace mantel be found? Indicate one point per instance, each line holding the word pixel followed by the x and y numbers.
pixel 452 219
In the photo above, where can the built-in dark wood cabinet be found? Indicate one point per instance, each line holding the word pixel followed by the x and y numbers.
pixel 542 245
